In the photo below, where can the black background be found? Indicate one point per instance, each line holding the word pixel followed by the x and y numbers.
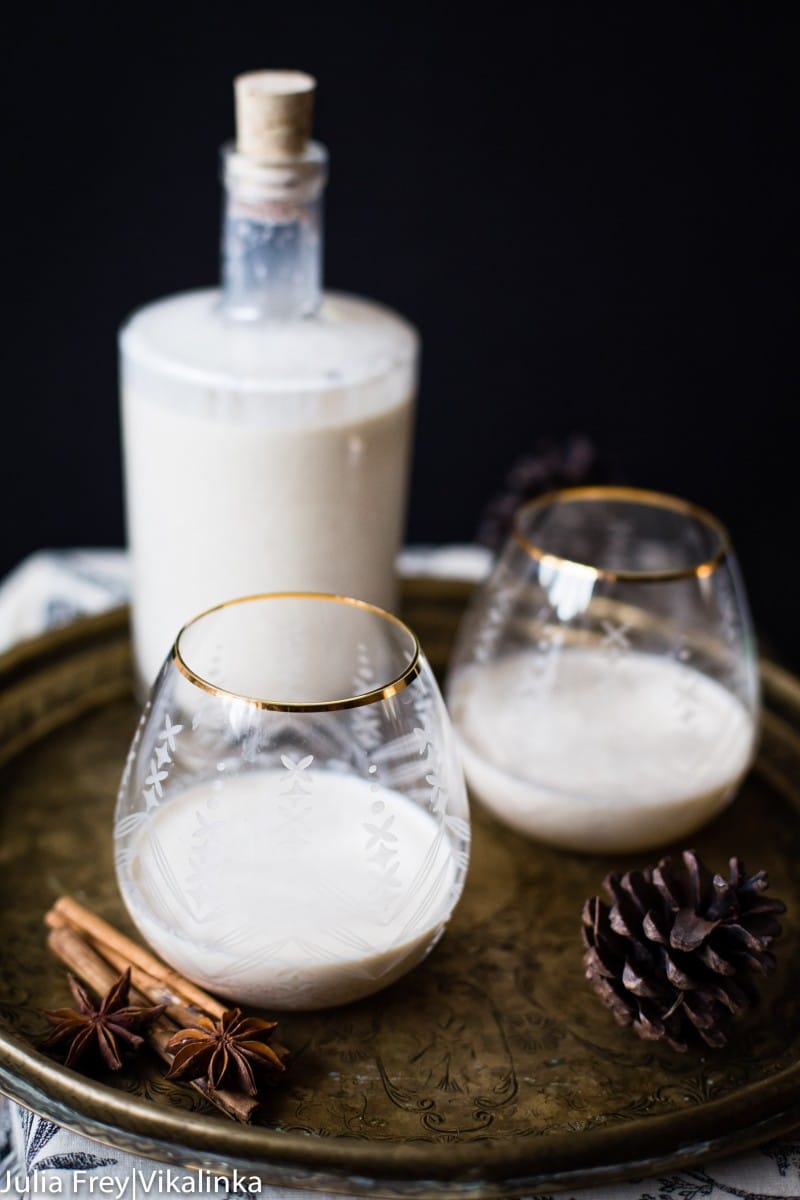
pixel 586 209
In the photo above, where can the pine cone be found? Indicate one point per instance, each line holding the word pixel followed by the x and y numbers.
pixel 551 466
pixel 673 953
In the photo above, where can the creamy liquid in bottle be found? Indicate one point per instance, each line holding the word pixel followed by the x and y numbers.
pixel 267 426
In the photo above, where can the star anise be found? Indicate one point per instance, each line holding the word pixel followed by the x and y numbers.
pixel 226 1051
pixel 99 1029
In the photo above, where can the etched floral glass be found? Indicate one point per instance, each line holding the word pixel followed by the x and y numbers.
pixel 292 826
pixel 604 685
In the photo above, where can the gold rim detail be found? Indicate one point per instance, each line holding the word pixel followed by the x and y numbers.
pixel 373 696
pixel 627 495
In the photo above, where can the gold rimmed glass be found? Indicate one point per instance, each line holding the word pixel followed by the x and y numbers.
pixel 292 828
pixel 604 683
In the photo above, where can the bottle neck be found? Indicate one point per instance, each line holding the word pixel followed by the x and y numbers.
pixel 272 236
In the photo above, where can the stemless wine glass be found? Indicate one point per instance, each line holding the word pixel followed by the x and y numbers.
pixel 604 685
pixel 292 826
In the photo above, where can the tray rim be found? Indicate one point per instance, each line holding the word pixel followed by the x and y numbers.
pixel 481 1169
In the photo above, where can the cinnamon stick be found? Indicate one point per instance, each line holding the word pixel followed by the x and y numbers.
pixel 155 991
pixel 85 962
pixel 105 936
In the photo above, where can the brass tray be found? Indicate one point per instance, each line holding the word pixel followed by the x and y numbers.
pixel 490 1071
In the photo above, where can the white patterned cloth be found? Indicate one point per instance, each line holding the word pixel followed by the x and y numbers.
pixel 36 1156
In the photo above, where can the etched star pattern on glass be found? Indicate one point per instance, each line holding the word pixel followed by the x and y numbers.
pixel 604 685
pixel 292 830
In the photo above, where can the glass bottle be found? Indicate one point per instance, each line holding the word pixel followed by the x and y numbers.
pixel 266 424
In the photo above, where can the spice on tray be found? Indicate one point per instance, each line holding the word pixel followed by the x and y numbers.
pixel 103 1031
pixel 96 952
pixel 229 1050
pixel 673 954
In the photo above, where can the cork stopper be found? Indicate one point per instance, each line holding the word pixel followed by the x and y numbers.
pixel 273 114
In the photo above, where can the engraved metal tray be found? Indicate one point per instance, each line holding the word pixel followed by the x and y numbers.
pixel 490 1071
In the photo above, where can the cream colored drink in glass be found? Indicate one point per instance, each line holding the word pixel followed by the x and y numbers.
pixel 286 944
pixel 266 425
pixel 618 755
pixel 292 828
pixel 604 687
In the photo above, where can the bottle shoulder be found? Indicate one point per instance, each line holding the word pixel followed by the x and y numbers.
pixel 189 336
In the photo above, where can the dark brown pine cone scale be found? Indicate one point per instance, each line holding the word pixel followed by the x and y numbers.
pixel 673 954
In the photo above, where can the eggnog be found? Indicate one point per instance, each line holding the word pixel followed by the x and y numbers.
pixel 600 753
pixel 282 895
